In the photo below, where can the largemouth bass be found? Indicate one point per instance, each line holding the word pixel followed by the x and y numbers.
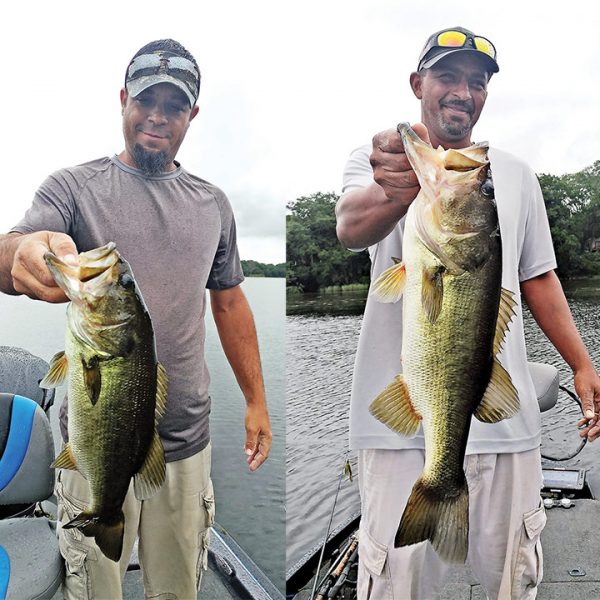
pixel 116 391
pixel 455 317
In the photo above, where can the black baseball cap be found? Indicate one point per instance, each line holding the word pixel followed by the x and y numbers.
pixel 457 39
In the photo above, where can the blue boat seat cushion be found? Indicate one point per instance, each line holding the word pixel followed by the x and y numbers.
pixel 26 453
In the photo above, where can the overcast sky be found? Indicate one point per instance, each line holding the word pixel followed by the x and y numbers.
pixel 288 90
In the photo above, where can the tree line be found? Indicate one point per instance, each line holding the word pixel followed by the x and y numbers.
pixel 316 259
pixel 253 268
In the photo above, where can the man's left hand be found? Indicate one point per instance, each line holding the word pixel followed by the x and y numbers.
pixel 258 436
pixel 587 386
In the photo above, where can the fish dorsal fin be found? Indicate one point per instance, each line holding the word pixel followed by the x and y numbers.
pixel 500 400
pixel 65 460
pixel 148 480
pixel 92 378
pixel 161 392
pixel 432 292
pixel 389 286
pixel 59 367
pixel 505 313
pixel 458 160
pixel 394 408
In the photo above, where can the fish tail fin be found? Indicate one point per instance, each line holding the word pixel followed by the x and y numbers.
pixel 107 533
pixel 442 520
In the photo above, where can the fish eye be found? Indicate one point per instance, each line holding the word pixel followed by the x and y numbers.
pixel 126 280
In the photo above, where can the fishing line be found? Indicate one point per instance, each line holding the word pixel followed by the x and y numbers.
pixel 312 594
pixel 583 442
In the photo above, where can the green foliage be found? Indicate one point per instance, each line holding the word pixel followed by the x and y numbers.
pixel 315 257
pixel 573 207
pixel 253 268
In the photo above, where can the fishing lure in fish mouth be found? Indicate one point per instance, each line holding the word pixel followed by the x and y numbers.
pixel 455 318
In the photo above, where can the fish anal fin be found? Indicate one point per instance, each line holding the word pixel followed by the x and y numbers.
pixel 394 408
pixel 389 286
pixel 500 400
pixel 432 292
pixel 431 515
pixel 65 460
pixel 59 368
pixel 506 311
pixel 92 378
pixel 151 476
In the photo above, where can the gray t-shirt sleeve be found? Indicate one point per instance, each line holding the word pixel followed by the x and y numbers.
pixel 358 172
pixel 226 271
pixel 53 206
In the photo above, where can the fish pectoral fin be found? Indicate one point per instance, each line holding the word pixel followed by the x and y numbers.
pixel 161 392
pixel 92 378
pixel 432 292
pixel 506 312
pixel 151 476
pixel 500 400
pixel 393 408
pixel 389 286
pixel 65 460
pixel 59 367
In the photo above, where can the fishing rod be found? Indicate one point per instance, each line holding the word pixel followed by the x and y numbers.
pixel 312 594
pixel 334 573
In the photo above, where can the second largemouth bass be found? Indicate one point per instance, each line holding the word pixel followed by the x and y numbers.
pixel 455 317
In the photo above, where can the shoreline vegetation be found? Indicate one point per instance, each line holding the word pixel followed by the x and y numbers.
pixel 253 268
pixel 317 262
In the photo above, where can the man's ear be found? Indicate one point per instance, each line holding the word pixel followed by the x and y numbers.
pixel 416 83
pixel 123 96
pixel 194 112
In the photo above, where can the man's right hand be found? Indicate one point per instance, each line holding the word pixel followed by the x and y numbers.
pixel 29 272
pixel 366 215
pixel 391 168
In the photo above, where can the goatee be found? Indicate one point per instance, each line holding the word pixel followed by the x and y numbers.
pixel 149 162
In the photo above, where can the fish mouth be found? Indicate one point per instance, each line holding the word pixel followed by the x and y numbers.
pixel 89 280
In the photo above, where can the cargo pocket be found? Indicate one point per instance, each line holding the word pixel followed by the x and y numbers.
pixel 529 562
pixel 374 581
pixel 207 510
pixel 73 547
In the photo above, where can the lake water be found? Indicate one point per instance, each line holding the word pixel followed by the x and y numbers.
pixel 249 505
pixel 322 335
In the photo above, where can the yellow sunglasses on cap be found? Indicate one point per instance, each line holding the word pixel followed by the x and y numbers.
pixel 458 39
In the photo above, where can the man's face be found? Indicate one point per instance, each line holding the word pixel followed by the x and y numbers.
pixel 154 125
pixel 452 95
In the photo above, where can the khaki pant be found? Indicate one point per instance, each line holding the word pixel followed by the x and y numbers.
pixel 173 535
pixel 505 522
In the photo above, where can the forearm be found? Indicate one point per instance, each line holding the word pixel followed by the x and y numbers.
pixel 237 333
pixel 366 215
pixel 546 300
pixel 8 246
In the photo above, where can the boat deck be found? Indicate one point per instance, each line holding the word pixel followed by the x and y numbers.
pixel 570 541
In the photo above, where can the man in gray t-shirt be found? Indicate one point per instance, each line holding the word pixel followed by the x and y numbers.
pixel 177 231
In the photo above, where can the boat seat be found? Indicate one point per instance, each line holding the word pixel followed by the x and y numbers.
pixel 30 561
pixel 21 373
pixel 545 381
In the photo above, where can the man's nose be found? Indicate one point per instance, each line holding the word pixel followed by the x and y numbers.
pixel 157 115
pixel 461 89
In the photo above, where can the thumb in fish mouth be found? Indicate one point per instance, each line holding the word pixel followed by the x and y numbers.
pixel 421 130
